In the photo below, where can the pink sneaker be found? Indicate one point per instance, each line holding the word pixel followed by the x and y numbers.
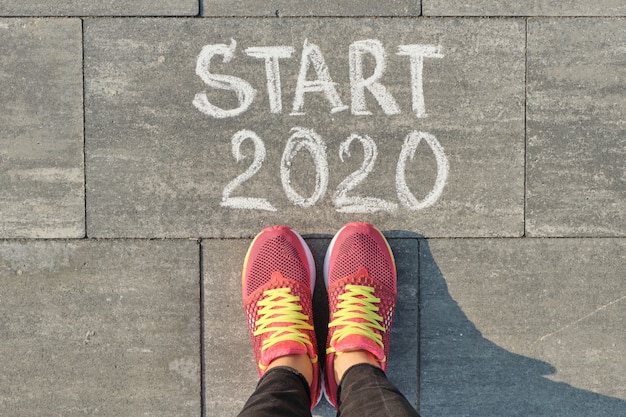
pixel 360 275
pixel 277 284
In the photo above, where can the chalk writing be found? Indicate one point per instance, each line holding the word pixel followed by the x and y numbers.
pixel 356 204
pixel 259 157
pixel 358 84
pixel 245 92
pixel 304 138
pixel 312 60
pixel 272 54
pixel 311 54
pixel 408 152
pixel 417 53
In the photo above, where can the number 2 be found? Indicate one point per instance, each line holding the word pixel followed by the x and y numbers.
pixel 356 204
pixel 259 156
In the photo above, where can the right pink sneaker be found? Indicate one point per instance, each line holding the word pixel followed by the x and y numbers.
pixel 360 276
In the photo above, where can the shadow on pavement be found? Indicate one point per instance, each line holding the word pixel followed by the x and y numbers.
pixel 464 374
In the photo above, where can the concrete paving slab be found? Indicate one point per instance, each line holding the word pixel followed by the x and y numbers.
pixel 99 8
pixel 99 328
pixel 576 127
pixel 280 8
pixel 41 129
pixel 523 327
pixel 227 341
pixel 448 136
pixel 523 8
pixel 228 358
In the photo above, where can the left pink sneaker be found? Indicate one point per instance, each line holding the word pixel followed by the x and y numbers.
pixel 278 279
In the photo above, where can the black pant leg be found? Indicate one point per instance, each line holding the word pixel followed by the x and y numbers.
pixel 365 391
pixel 281 392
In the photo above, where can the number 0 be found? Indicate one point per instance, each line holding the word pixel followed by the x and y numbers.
pixel 409 148
pixel 305 138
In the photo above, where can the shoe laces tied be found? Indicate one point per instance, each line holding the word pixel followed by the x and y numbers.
pixel 357 314
pixel 280 306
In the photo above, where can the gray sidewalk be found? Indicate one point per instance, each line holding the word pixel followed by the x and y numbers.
pixel 143 144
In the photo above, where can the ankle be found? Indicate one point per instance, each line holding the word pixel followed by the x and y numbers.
pixel 348 359
pixel 301 363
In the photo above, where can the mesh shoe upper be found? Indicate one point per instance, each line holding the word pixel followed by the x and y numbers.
pixel 360 276
pixel 277 285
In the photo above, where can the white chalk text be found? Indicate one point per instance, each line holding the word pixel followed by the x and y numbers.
pixel 312 58
pixel 303 139
pixel 367 64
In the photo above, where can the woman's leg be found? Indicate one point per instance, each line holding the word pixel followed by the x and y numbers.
pixel 281 392
pixel 365 391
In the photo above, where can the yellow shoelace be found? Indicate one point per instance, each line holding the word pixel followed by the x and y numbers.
pixel 358 302
pixel 280 306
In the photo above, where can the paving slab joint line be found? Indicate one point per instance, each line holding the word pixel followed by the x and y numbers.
pixel 104 16
pixel 82 48
pixel 306 237
pixel 307 17
pixel 291 17
pixel 100 239
pixel 202 330
pixel 525 238
pixel 419 323
pixel 525 231
pixel 420 16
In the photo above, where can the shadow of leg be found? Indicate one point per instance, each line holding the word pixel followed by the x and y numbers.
pixel 464 374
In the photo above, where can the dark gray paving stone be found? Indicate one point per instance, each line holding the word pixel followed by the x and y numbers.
pixel 226 334
pixel 523 327
pixel 403 367
pixel 311 8
pixel 576 132
pixel 41 129
pixel 99 8
pixel 99 328
pixel 159 166
pixel 523 8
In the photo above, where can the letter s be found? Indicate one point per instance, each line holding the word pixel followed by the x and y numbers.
pixel 245 92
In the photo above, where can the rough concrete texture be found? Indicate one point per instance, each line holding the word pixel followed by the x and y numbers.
pixel 105 328
pixel 41 129
pixel 227 341
pixel 512 289
pixel 160 165
pixel 279 8
pixel 523 8
pixel 99 8
pixel 576 127
pixel 523 327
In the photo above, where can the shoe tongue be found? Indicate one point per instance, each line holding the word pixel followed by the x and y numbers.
pixel 288 347
pixel 358 342
pixel 361 274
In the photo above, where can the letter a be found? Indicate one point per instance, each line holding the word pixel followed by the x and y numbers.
pixel 245 92
pixel 311 54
